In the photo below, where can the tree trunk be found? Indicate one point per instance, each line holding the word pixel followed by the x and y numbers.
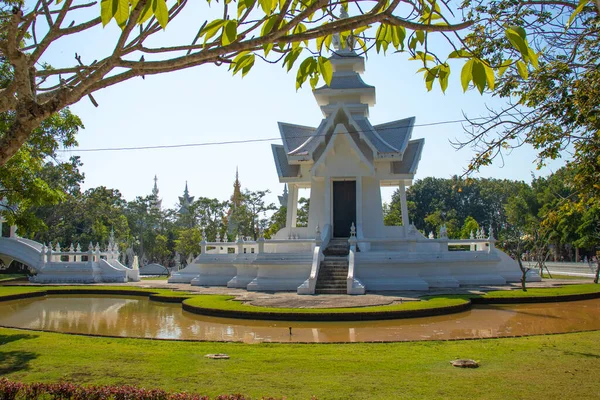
pixel 597 270
pixel 523 273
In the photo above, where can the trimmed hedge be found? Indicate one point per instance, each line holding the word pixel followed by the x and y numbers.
pixel 10 390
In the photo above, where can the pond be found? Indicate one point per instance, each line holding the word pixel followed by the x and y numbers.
pixel 135 316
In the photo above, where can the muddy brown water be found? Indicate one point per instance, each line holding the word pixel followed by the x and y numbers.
pixel 139 317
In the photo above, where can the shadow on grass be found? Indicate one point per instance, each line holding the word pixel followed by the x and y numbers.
pixel 13 361
pixel 579 354
pixel 5 339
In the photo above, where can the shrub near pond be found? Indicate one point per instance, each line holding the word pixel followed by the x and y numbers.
pixel 10 390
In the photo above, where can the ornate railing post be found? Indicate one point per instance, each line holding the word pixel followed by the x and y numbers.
pixel 240 244
pixel 203 242
pixel 412 238
pixel 492 241
pixel 443 238
pixel 91 253
pixel 43 254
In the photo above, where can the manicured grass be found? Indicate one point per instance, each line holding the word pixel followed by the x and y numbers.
pixel 539 367
pixel 226 303
pixel 12 290
pixel 584 288
pixel 11 277
pixel 559 276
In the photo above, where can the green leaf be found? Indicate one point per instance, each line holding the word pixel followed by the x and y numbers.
pixel 517 41
pixel 360 30
pixel 401 34
pixel 430 78
pixel 420 35
pixel 362 44
pixel 383 37
pixel 291 58
pixel 326 69
pixel 307 67
pixel 268 5
pixel 268 25
pixel 146 13
pixel 107 10
pixel 122 12
pixel 579 8
pixel 466 75
pixel 522 69
pixel 533 58
pixel 479 75
pixel 313 81
pixel 161 12
pixel 267 47
pixel 229 32
pixel 443 75
pixel 504 66
pixel 299 29
pixel 211 29
pixel 461 53
pixel 490 77
pixel 244 5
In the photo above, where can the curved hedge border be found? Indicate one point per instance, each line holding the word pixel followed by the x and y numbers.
pixel 160 295
pixel 225 307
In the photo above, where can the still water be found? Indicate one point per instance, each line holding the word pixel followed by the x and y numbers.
pixel 140 317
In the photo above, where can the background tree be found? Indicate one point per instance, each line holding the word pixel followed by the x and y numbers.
pixel 553 108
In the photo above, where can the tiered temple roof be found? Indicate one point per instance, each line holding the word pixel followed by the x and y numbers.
pixel 346 101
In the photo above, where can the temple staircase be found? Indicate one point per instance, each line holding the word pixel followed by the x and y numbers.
pixel 333 270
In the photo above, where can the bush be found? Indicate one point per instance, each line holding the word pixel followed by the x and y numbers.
pixel 68 391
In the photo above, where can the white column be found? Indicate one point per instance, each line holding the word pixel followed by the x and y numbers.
pixel 328 218
pixel 292 206
pixel 403 205
pixel 13 231
pixel 359 208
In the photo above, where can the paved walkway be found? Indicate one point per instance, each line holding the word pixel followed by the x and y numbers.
pixel 292 300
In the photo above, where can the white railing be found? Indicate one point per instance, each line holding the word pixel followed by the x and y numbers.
pixel 350 278
pixel 321 243
pixel 72 254
pixel 487 244
pixel 259 246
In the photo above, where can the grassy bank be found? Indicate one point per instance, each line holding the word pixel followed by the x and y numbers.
pixel 532 367
pixel 567 290
pixel 11 277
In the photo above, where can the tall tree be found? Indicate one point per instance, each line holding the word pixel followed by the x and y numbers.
pixel 242 31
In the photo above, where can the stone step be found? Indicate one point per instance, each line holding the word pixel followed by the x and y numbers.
pixel 333 268
pixel 330 291
pixel 331 286
pixel 327 272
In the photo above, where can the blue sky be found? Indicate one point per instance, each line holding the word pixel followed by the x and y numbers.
pixel 207 104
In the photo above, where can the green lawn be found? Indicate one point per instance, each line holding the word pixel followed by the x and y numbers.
pixel 10 277
pixel 539 367
pixel 559 276
pixel 583 288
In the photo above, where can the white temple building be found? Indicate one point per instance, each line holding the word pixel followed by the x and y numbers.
pixel 346 248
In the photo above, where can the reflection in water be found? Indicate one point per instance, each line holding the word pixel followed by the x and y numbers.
pixel 139 317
